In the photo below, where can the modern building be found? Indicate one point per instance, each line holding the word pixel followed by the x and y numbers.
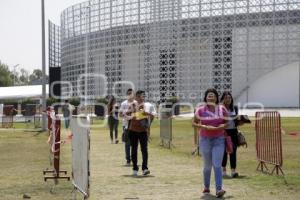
pixel 180 48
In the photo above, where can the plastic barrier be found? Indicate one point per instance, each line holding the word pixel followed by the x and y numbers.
pixel 166 127
pixel 80 127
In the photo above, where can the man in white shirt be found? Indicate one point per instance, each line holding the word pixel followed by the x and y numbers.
pixel 123 110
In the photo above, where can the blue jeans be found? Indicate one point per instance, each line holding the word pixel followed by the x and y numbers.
pixel 212 151
pixel 127 147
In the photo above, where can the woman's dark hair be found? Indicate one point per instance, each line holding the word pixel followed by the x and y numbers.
pixel 223 97
pixel 111 101
pixel 212 90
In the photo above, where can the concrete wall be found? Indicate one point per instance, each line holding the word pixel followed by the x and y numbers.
pixel 279 88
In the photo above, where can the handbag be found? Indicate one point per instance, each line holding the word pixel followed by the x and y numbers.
pixel 241 139
pixel 228 144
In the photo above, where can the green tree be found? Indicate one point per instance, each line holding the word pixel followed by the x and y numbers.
pixel 24 77
pixel 32 78
pixel 37 73
pixel 5 76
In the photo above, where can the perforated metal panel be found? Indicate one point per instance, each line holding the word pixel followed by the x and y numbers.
pixel 54 45
pixel 177 47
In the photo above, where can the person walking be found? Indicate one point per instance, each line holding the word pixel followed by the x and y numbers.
pixel 211 120
pixel 124 109
pixel 113 119
pixel 232 131
pixel 142 113
pixel 67 110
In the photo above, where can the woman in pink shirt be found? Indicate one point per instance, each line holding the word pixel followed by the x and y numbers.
pixel 211 120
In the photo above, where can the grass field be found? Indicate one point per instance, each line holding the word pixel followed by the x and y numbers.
pixel 176 174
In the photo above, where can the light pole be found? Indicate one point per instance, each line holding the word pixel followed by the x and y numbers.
pixel 86 15
pixel 299 77
pixel 87 32
pixel 43 65
pixel 15 73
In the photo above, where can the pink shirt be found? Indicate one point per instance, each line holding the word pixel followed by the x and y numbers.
pixel 212 119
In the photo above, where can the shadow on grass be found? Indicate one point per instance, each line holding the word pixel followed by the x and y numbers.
pixel 138 176
pixel 37 131
pixel 125 165
pixel 239 177
pixel 212 197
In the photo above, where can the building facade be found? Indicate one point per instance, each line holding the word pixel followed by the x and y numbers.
pixel 176 47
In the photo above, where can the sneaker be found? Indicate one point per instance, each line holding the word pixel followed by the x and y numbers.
pixel 146 172
pixel 128 162
pixel 224 174
pixel 206 191
pixel 220 193
pixel 134 173
pixel 234 174
pixel 117 141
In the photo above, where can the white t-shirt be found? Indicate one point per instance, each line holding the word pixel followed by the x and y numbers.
pixel 123 109
pixel 149 108
pixel 231 123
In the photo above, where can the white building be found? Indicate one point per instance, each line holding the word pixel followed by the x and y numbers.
pixel 181 48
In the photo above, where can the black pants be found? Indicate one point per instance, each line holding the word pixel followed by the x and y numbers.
pixel 233 134
pixel 113 124
pixel 135 137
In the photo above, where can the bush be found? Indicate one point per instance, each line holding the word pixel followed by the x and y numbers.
pixel 51 101
pixel 102 100
pixel 172 99
pixel 74 101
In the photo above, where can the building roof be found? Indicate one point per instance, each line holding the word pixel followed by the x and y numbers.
pixel 22 92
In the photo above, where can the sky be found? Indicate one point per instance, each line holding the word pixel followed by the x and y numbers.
pixel 20 30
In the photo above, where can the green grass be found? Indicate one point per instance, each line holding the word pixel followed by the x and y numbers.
pixel 177 174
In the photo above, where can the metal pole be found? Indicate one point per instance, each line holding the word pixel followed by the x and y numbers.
pixel 87 32
pixel 86 58
pixel 299 78
pixel 43 66
pixel 15 73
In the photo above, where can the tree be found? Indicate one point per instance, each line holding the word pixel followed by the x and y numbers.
pixel 38 73
pixel 32 78
pixel 5 76
pixel 36 77
pixel 24 77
